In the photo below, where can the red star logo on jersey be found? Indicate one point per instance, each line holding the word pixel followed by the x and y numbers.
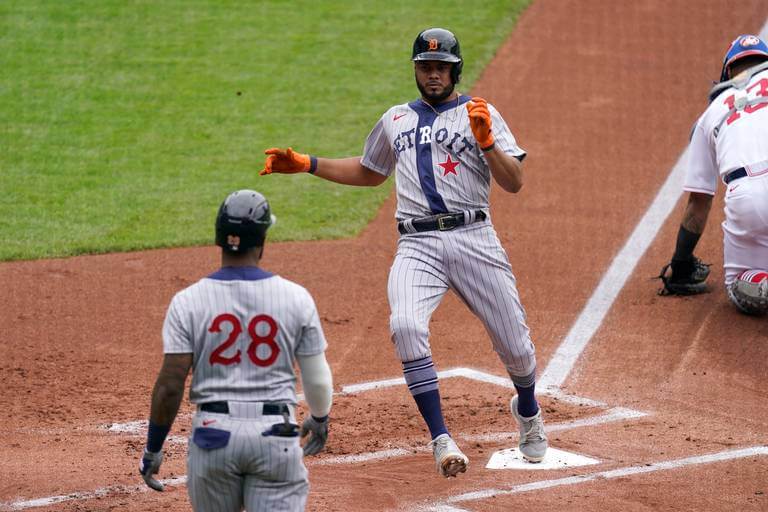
pixel 449 166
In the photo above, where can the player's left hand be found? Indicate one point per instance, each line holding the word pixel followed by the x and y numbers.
pixel 480 122
pixel 285 161
pixel 319 430
pixel 684 277
pixel 150 465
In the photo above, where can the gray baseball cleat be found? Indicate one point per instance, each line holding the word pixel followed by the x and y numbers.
pixel 533 441
pixel 449 459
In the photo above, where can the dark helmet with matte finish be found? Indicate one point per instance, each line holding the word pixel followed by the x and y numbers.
pixel 439 44
pixel 242 221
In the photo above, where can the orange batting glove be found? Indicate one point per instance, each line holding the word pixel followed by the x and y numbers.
pixel 287 161
pixel 480 122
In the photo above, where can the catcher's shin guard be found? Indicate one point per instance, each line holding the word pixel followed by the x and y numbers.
pixel 749 292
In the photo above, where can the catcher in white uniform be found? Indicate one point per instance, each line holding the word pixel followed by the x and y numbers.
pixel 444 149
pixel 729 143
pixel 240 330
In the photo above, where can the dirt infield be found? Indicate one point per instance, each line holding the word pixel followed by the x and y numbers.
pixel 602 95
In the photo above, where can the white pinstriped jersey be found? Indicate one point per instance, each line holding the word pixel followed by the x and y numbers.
pixel 244 326
pixel 440 167
pixel 724 140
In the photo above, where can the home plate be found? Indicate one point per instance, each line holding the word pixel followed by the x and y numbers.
pixel 511 458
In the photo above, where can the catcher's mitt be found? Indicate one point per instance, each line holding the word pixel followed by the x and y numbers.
pixel 687 277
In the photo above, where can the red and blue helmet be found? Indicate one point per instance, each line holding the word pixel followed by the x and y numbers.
pixel 743 46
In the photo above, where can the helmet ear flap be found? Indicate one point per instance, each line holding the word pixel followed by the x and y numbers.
pixel 456 72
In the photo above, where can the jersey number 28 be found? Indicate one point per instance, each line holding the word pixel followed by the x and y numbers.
pixel 217 356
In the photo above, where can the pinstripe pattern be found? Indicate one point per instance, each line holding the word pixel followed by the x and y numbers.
pixel 471 261
pixel 192 312
pixel 394 144
pixel 253 471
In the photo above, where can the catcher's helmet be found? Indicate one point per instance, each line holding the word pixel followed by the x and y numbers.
pixel 743 46
pixel 439 44
pixel 242 221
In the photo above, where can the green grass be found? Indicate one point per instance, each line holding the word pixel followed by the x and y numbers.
pixel 125 123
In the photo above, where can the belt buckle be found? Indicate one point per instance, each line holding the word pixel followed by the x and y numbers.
pixel 446 222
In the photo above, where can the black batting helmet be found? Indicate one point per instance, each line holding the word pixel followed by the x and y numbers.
pixel 439 44
pixel 242 221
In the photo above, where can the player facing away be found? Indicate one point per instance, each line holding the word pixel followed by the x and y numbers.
pixel 444 148
pixel 730 143
pixel 240 330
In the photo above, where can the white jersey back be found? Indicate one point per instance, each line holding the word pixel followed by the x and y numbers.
pixel 440 167
pixel 244 326
pixel 724 139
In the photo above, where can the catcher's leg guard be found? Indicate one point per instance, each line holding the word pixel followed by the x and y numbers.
pixel 749 292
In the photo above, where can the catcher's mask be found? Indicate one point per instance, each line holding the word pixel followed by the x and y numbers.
pixel 439 44
pixel 743 46
pixel 242 221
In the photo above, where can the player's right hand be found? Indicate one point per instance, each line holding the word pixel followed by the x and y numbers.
pixel 318 427
pixel 285 161
pixel 150 465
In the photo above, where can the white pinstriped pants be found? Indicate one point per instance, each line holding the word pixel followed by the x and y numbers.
pixel 471 261
pixel 253 471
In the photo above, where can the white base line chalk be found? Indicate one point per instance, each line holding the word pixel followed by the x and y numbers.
pixel 602 475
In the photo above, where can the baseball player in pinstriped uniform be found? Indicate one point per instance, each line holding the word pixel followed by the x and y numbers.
pixel 240 330
pixel 444 148
pixel 729 143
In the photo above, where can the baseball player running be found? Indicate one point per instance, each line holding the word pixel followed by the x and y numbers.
pixel 240 330
pixel 444 149
pixel 730 143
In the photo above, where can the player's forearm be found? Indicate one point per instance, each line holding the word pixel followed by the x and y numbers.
pixel 169 388
pixel 166 400
pixel 506 169
pixel 693 224
pixel 317 381
pixel 348 171
pixel 696 212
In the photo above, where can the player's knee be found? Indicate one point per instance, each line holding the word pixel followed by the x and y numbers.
pixel 404 327
pixel 749 292
pixel 520 362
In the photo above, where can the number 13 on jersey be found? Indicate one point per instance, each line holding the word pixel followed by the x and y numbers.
pixel 256 340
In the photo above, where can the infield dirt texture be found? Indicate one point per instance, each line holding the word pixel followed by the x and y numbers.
pixel 602 95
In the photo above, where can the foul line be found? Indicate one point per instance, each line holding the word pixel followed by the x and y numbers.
pixel 613 280
pixel 445 506
pixel 598 305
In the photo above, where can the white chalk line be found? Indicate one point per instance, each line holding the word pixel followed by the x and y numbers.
pixel 612 415
pixel 89 495
pixel 594 312
pixel 562 361
pixel 446 505
pixel 614 279
pixel 622 266
pixel 139 428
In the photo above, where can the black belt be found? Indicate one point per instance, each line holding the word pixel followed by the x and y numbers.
pixel 223 408
pixel 442 222
pixel 734 175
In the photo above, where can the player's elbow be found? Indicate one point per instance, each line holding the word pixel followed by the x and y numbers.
pixel 512 186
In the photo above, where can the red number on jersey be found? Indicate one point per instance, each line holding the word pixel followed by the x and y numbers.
pixel 216 357
pixel 256 340
pixel 748 109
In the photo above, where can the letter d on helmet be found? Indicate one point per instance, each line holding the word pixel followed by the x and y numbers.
pixel 242 221
pixel 439 44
